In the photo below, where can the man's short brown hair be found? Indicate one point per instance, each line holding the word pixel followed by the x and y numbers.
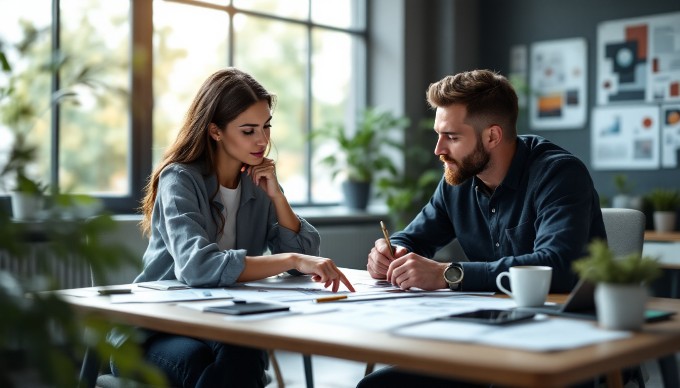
pixel 488 97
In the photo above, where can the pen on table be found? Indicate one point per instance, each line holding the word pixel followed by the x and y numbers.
pixel 387 238
pixel 330 298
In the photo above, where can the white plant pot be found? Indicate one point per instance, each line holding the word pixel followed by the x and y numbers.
pixel 26 206
pixel 620 306
pixel 664 221
pixel 627 201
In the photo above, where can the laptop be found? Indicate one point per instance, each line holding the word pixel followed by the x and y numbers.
pixel 581 305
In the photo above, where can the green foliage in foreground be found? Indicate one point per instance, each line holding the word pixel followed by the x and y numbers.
pixel 601 266
pixel 52 336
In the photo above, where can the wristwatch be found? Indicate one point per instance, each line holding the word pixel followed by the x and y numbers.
pixel 453 275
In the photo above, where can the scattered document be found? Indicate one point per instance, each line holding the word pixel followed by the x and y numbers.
pixel 295 309
pixel 538 335
pixel 172 295
pixel 171 284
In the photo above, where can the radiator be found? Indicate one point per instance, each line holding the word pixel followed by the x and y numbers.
pixel 68 272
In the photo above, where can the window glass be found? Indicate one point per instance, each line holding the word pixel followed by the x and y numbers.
pixel 337 13
pixel 295 9
pixel 184 56
pixel 274 52
pixel 94 136
pixel 30 84
pixel 331 75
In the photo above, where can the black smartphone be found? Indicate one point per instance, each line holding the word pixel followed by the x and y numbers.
pixel 492 317
pixel 114 290
pixel 247 308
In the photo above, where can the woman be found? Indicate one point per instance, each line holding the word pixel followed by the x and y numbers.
pixel 212 208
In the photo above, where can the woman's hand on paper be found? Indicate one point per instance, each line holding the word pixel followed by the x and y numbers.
pixel 323 270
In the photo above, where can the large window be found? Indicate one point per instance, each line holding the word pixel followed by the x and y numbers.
pixel 310 53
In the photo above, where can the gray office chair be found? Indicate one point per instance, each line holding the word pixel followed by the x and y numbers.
pixel 625 230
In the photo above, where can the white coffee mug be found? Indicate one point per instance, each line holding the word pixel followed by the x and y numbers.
pixel 530 284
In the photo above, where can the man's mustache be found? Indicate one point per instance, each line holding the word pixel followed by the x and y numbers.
pixel 446 159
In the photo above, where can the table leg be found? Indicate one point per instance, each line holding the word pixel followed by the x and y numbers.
pixel 309 375
pixel 669 371
pixel 614 379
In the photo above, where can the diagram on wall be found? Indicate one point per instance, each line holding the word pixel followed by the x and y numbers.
pixel 558 84
pixel 639 60
pixel 625 137
pixel 670 135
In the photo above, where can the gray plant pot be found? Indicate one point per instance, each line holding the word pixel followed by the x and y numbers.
pixel 356 194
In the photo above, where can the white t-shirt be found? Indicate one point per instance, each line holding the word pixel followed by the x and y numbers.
pixel 230 199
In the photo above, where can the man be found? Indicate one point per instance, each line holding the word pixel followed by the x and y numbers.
pixel 508 199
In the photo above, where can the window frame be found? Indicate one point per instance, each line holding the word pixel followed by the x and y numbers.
pixel 141 91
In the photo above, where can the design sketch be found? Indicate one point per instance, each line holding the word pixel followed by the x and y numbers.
pixel 625 137
pixel 558 84
pixel 639 59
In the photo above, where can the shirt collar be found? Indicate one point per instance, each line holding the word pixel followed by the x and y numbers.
pixel 517 166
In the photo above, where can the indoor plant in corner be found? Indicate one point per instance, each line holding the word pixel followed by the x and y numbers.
pixel 624 198
pixel 665 203
pixel 27 194
pixel 622 285
pixel 360 153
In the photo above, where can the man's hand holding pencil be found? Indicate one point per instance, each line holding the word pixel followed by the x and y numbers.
pixel 381 255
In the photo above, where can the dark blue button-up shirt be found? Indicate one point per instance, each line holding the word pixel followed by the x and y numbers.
pixel 545 212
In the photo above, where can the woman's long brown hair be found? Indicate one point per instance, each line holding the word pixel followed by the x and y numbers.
pixel 222 97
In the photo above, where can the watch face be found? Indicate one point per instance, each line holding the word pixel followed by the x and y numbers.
pixel 453 274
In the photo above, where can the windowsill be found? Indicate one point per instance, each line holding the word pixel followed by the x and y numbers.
pixel 318 215
pixel 340 215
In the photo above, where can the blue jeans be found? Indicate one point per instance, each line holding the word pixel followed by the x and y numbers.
pixel 195 363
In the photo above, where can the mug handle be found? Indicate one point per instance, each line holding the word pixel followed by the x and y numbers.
pixel 500 286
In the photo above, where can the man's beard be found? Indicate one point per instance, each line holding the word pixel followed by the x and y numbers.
pixel 470 166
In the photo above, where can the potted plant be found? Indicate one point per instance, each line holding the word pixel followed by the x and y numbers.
pixel 621 285
pixel 665 203
pixel 27 195
pixel 21 114
pixel 361 153
pixel 623 198
pixel 405 193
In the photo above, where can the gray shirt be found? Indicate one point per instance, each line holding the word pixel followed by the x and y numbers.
pixel 185 229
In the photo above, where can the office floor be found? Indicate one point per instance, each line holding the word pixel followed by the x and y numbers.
pixel 337 373
pixel 328 373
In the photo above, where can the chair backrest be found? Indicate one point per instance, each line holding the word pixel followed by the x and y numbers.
pixel 128 235
pixel 625 230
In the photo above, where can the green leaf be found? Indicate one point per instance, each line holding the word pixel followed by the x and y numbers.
pixel 601 266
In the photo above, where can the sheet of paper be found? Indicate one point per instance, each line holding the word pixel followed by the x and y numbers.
pixel 172 295
pixel 538 335
pixel 295 309
pixel 388 314
pixel 170 284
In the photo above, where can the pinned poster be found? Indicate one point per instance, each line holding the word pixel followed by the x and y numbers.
pixel 670 135
pixel 625 137
pixel 558 84
pixel 637 60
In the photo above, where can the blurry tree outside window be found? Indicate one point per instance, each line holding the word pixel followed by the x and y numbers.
pixel 310 53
